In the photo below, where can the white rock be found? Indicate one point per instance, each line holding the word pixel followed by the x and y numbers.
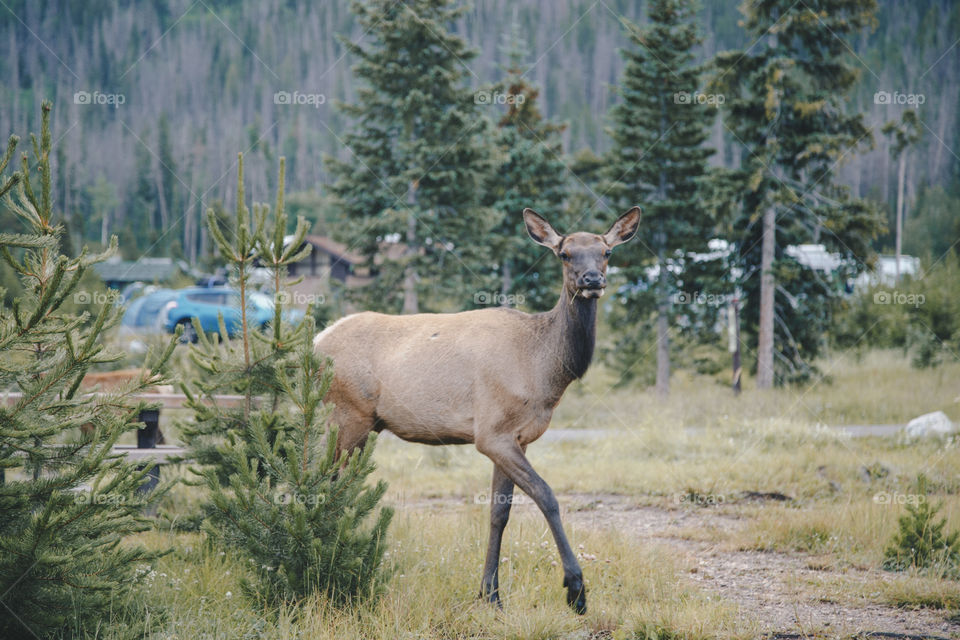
pixel 930 424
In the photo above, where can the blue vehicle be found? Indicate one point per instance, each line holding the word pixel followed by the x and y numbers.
pixel 142 313
pixel 207 303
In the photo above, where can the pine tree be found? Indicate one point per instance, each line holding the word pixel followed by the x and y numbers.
pixel 921 542
pixel 67 502
pixel 529 173
pixel 587 172
pixel 786 101
pixel 419 157
pixel 9 182
pixel 658 161
pixel 278 494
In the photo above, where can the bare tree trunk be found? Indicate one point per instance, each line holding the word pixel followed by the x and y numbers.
pixel 663 320
pixel 663 329
pixel 203 241
pixel 411 302
pixel 734 315
pixel 188 237
pixel 506 283
pixel 190 225
pixel 901 179
pixel 767 288
pixel 162 199
pixel 768 284
pixel 105 227
pixel 663 350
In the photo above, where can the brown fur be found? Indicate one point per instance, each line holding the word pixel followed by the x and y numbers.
pixel 490 377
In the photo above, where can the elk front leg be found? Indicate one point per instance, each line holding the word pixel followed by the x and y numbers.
pixel 508 456
pixel 501 497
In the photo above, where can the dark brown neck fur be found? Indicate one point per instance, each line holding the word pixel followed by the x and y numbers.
pixel 571 327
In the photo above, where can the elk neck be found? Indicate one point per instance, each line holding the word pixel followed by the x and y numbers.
pixel 569 333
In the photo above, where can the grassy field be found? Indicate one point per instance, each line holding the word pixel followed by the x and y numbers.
pixel 760 478
pixel 878 387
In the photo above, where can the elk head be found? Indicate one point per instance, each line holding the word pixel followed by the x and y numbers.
pixel 584 255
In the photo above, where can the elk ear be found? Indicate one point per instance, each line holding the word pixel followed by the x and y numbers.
pixel 540 230
pixel 624 228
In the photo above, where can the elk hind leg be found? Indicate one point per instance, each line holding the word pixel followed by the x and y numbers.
pixel 501 497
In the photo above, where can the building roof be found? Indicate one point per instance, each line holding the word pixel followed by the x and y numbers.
pixel 142 270
pixel 884 271
pixel 334 248
pixel 814 256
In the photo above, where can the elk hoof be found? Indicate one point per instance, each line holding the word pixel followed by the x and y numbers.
pixel 492 596
pixel 576 594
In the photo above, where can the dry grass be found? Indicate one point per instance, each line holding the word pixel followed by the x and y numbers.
pixel 853 532
pixel 879 387
pixel 633 593
pixel 907 591
pixel 805 462
pixel 701 442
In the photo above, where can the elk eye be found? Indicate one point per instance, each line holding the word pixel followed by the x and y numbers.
pixel 565 256
pixel 607 253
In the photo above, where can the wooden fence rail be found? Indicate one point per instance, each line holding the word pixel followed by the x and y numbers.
pixel 147 450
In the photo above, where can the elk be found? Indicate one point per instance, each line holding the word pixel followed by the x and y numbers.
pixel 489 377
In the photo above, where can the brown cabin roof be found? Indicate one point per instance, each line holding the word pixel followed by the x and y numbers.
pixel 334 248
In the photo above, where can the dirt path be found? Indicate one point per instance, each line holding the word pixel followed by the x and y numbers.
pixel 772 588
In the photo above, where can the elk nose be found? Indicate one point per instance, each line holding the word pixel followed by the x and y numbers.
pixel 593 280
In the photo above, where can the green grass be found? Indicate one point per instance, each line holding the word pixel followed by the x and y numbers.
pixel 700 441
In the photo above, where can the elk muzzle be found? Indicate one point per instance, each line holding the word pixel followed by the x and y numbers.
pixel 591 284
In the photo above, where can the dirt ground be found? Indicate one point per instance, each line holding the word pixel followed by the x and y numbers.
pixel 775 590
pixel 769 587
